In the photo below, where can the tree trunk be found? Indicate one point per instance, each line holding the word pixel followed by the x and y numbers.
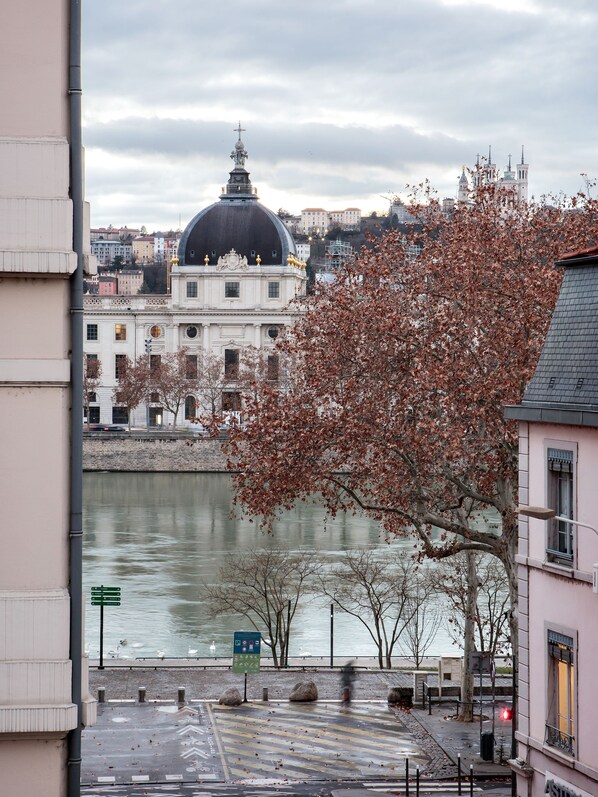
pixel 466 710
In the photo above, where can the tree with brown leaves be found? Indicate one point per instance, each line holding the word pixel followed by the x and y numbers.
pixel 400 372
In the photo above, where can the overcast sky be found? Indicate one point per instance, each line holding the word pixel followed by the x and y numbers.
pixel 343 101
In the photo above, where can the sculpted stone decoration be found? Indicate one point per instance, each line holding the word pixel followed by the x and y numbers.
pixel 232 262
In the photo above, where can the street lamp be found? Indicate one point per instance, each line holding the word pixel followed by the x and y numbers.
pixel 545 513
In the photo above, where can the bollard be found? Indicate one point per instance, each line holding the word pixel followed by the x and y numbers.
pixel 417 782
pixel 407 776
pixel 459 774
pixel 181 696
pixel 142 694
pixel 101 694
pixel 265 694
pixel 471 780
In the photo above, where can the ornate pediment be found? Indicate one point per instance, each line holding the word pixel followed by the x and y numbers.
pixel 232 262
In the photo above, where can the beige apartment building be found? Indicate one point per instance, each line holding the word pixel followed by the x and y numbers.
pixel 43 680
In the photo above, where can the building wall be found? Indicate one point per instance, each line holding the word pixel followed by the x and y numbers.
pixel 36 261
pixel 557 598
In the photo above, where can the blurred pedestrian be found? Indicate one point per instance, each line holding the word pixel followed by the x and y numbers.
pixel 347 680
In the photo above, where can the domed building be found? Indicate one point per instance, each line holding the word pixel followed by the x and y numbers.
pixel 236 273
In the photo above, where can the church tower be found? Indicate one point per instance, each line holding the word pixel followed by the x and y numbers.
pixel 463 191
pixel 522 178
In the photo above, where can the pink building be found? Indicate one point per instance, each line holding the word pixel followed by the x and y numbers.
pixel 107 286
pixel 44 696
pixel 557 725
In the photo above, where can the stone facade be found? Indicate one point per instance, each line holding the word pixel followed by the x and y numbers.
pixel 153 453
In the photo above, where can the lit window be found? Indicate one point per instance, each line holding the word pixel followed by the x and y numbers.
pixel 232 290
pixel 92 332
pixel 560 544
pixel 560 720
pixel 273 290
pixel 120 332
pixel 192 290
pixel 156 331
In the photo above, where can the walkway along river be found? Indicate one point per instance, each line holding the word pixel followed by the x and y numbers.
pixel 159 536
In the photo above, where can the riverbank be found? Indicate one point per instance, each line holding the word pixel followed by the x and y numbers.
pixel 153 452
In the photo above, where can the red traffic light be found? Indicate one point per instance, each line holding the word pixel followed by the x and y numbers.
pixel 506 713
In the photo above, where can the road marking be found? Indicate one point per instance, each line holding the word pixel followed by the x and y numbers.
pixel 194 751
pixel 107 779
pixel 140 779
pixel 191 729
pixel 215 731
pixel 171 778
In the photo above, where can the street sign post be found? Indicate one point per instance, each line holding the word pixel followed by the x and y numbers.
pixel 246 654
pixel 104 596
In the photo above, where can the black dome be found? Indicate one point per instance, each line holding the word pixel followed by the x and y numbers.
pixel 240 224
pixel 237 222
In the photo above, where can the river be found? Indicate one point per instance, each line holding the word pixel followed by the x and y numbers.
pixel 160 536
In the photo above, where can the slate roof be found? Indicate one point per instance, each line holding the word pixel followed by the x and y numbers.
pixel 564 388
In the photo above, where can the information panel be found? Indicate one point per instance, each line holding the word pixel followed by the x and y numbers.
pixel 246 651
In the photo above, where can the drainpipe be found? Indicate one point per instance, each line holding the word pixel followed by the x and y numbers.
pixel 76 464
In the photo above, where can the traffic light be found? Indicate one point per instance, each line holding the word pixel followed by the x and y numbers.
pixel 506 713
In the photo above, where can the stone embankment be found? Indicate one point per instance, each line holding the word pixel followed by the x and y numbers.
pixel 152 452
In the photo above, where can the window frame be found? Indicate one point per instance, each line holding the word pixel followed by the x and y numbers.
pixel 120 365
pixel 560 457
pixel 91 372
pixel 120 415
pixel 232 289
pixel 191 290
pixel 232 360
pixel 191 366
pixel 120 332
pixel 273 289
pixel 89 328
pixel 561 709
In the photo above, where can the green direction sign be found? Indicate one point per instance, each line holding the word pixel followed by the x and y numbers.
pixel 105 596
pixel 246 651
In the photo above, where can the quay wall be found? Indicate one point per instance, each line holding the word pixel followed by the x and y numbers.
pixel 153 452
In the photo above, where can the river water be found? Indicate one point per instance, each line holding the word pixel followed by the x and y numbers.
pixel 160 536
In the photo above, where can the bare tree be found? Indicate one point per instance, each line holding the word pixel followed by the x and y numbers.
pixel 420 631
pixel 210 386
pixel 132 385
pixel 375 588
pixel 264 587
pixel 173 378
pixel 477 593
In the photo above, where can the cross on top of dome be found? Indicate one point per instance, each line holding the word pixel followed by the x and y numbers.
pixel 239 154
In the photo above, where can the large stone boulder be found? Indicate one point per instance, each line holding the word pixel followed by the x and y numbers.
pixel 401 696
pixel 232 697
pixel 304 692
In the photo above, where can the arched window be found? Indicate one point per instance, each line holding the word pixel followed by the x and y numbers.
pixel 190 408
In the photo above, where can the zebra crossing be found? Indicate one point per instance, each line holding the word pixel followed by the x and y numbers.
pixel 313 741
